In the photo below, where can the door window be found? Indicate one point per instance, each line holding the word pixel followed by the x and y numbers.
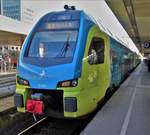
pixel 96 51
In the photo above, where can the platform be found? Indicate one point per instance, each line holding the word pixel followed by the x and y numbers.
pixel 128 110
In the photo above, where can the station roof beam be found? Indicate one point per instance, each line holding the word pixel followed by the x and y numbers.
pixel 134 15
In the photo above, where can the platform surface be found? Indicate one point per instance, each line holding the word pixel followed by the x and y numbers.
pixel 128 110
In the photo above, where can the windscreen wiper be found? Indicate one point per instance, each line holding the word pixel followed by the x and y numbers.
pixel 64 48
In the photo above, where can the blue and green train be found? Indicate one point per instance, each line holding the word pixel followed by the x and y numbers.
pixel 67 64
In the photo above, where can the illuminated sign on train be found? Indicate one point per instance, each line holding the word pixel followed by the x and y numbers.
pixel 59 25
pixel 62 25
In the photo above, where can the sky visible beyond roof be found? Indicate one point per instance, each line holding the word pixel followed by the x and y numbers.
pixel 97 8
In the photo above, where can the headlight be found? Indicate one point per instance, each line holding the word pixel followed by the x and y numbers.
pixel 22 81
pixel 69 83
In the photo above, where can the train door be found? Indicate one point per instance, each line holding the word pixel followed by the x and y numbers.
pixel 96 65
pixel 96 62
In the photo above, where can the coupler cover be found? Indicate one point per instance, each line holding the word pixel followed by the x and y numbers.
pixel 35 106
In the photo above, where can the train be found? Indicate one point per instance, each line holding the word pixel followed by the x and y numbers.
pixel 67 65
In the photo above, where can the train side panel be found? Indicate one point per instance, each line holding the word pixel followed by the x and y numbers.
pixel 122 62
pixel 95 79
pixel 115 63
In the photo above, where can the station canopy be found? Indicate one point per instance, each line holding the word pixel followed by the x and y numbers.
pixel 134 15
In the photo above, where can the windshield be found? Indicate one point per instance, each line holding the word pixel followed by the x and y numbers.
pixel 53 44
pixel 48 48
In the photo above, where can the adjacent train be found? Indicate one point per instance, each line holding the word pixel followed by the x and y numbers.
pixel 67 64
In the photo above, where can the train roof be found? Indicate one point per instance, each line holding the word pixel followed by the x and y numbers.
pixel 62 15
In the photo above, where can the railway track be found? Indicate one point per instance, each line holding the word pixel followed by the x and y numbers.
pixel 7 80
pixel 30 128
pixel 53 126
pixel 3 79
pixel 7 85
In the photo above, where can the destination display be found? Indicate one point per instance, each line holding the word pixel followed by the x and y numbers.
pixel 59 25
pixel 62 25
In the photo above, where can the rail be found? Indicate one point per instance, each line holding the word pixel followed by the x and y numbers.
pixel 32 127
pixel 7 85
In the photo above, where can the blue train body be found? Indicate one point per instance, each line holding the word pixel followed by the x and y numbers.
pixel 27 70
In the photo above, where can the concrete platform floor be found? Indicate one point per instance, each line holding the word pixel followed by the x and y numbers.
pixel 128 110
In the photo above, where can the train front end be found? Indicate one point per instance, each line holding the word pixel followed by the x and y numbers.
pixel 49 68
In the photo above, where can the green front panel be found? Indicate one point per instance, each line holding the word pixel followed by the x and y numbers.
pixel 23 90
pixel 94 81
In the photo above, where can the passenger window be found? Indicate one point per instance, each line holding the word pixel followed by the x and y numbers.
pixel 114 59
pixel 96 51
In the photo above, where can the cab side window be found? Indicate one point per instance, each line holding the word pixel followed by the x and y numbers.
pixel 96 51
